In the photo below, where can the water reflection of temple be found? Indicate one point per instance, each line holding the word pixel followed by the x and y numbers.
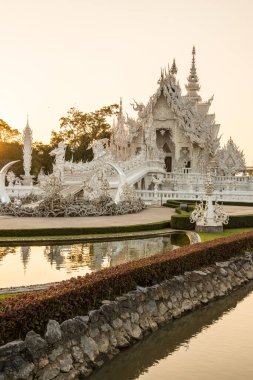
pixel 71 257
pixel 95 256
pixel 25 255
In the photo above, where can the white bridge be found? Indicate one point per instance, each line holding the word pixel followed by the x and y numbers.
pixel 176 185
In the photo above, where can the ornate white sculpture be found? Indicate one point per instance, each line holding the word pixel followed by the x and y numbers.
pixel 59 154
pixel 157 181
pixel 27 154
pixel 10 178
pixel 128 194
pixel 209 217
pixel 98 147
pixel 230 160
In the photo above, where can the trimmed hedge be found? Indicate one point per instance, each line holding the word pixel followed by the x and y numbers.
pixel 82 230
pixel 173 203
pixel 182 222
pixel 239 221
pixel 76 296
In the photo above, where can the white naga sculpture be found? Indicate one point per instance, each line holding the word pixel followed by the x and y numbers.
pixel 209 217
pixel 27 154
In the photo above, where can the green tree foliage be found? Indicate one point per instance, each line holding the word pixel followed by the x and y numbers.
pixel 11 151
pixel 79 129
pixel 10 147
pixel 41 158
pixel 8 134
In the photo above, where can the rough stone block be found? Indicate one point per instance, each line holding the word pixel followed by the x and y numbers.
pixel 77 354
pixel 53 332
pixel 36 345
pixel 55 353
pixel 65 362
pixel 12 348
pixel 49 372
pixel 18 368
pixel 89 347
pixel 73 328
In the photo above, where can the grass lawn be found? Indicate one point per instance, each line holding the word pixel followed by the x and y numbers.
pixel 207 236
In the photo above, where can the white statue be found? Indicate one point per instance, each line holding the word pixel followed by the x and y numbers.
pixel 10 178
pixel 98 147
pixel 157 180
pixel 59 154
pixel 209 217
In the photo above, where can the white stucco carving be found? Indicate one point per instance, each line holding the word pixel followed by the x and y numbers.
pixel 230 160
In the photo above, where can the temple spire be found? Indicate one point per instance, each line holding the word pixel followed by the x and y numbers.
pixel 27 153
pixel 193 86
pixel 120 107
pixel 173 68
pixel 27 121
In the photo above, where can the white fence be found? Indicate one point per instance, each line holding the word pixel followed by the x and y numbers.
pixel 220 196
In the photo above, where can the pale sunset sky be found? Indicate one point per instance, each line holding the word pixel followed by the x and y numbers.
pixel 56 54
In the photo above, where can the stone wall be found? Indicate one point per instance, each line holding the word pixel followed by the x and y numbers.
pixel 71 350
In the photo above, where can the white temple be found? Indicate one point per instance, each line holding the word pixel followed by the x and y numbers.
pixel 172 127
pixel 164 152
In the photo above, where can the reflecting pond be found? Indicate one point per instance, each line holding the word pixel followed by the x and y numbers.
pixel 214 342
pixel 28 265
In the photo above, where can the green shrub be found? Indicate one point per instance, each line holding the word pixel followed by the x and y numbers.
pixel 239 221
pixel 181 222
pixel 31 311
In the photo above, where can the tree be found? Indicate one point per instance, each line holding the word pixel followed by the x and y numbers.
pixel 12 151
pixel 79 129
pixel 8 134
pixel 41 158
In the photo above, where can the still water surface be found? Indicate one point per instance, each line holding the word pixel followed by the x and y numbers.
pixel 29 265
pixel 212 343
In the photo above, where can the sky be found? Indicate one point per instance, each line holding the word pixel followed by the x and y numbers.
pixel 57 54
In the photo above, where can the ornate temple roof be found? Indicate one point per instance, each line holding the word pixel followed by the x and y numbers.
pixel 191 114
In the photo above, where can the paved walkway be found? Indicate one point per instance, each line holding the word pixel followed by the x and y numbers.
pixel 238 210
pixel 149 215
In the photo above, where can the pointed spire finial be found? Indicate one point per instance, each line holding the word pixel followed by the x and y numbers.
pixel 174 68
pixel 193 81
pixel 120 105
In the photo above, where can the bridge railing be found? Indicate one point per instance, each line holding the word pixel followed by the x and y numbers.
pixel 220 196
